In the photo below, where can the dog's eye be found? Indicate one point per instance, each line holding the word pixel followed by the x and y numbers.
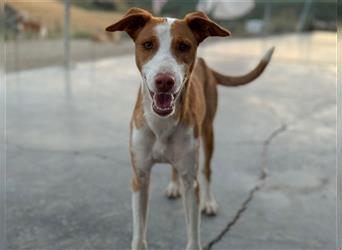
pixel 183 47
pixel 148 45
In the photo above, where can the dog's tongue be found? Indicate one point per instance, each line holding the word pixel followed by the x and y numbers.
pixel 163 100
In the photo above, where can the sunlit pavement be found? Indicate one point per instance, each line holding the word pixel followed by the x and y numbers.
pixel 68 170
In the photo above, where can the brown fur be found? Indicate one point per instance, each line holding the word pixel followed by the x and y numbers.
pixel 138 118
pixel 198 100
pixel 135 184
pixel 174 176
pixel 197 191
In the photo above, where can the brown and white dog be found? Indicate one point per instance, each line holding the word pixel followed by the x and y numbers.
pixel 174 111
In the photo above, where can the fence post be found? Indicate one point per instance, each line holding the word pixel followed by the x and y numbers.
pixel 304 15
pixel 66 34
pixel 267 18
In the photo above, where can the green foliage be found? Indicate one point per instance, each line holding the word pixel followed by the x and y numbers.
pixel 284 17
pixel 321 9
pixel 179 8
pixel 286 14
pixel 325 10
pixel 145 4
pixel 81 34
pixel 104 5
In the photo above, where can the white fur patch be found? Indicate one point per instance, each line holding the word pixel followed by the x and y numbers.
pixel 268 55
pixel 208 202
pixel 173 189
pixel 163 61
pixel 170 20
pixel 166 140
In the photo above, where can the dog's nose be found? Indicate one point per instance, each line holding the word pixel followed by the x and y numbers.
pixel 164 82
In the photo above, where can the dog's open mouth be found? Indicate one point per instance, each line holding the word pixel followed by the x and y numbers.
pixel 162 103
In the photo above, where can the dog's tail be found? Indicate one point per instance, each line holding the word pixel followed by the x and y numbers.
pixel 234 81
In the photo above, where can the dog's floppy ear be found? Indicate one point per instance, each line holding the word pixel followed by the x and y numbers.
pixel 202 26
pixel 132 22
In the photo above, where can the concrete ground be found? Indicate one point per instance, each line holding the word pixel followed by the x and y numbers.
pixel 29 54
pixel 68 170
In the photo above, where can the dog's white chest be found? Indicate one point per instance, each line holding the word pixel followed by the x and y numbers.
pixel 163 129
pixel 162 143
pixel 161 151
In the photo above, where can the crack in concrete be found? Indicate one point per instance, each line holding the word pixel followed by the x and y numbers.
pixel 251 194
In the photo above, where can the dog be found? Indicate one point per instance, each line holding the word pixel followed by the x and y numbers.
pixel 174 112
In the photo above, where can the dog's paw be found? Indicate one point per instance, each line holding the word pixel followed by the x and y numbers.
pixel 139 245
pixel 193 247
pixel 209 207
pixel 173 190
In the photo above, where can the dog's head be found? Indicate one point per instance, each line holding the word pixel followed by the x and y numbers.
pixel 166 51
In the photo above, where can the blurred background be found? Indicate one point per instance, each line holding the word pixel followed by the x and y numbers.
pixel 41 27
pixel 70 91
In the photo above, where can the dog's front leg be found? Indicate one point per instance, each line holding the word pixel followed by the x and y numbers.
pixel 140 209
pixel 191 200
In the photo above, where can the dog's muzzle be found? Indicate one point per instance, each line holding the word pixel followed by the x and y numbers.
pixel 164 98
pixel 163 104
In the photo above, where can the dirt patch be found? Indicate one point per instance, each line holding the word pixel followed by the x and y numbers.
pixel 51 12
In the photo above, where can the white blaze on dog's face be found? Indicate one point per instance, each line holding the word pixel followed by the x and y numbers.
pixel 164 57
pixel 165 52
pixel 162 74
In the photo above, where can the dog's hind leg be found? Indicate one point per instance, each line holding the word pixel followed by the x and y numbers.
pixel 209 205
pixel 173 189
